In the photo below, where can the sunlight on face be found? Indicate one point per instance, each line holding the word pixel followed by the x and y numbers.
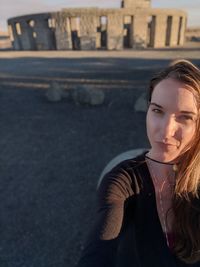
pixel 171 120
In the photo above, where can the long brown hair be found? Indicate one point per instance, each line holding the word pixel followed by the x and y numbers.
pixel 186 202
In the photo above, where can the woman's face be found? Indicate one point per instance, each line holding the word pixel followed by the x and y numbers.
pixel 171 120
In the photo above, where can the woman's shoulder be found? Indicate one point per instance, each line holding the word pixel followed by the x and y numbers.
pixel 124 179
pixel 131 164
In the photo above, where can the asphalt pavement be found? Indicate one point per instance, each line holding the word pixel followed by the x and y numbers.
pixel 52 154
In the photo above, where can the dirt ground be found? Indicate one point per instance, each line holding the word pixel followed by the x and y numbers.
pixel 52 154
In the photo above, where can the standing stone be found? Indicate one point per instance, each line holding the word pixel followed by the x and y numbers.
pixel 88 32
pixel 62 32
pixel 115 32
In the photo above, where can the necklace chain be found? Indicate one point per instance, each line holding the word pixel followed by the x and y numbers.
pixel 160 189
pixel 174 165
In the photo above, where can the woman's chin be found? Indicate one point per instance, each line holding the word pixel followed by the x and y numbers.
pixel 163 156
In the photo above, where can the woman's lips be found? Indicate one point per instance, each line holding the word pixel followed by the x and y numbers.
pixel 167 145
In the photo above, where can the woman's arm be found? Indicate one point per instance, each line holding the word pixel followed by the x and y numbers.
pixel 101 246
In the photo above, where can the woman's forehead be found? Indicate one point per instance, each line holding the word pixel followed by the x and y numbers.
pixel 172 93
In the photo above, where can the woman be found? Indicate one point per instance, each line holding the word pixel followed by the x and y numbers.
pixel 149 207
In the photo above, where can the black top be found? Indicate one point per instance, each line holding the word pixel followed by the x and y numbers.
pixel 127 231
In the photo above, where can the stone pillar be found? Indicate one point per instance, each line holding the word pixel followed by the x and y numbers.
pixel 88 32
pixel 63 33
pixel 182 31
pixel 140 31
pixel 75 32
pixel 16 42
pixel 115 29
pixel 98 35
pixel 44 35
pixel 174 32
pixel 27 39
pixel 160 30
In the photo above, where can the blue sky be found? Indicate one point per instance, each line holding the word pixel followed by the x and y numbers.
pixel 12 8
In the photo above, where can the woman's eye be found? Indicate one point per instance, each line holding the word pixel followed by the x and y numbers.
pixel 156 110
pixel 186 117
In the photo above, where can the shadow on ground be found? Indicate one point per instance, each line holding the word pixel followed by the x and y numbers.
pixel 52 154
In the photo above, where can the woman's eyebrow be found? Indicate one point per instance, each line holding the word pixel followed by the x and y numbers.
pixel 188 112
pixel 154 104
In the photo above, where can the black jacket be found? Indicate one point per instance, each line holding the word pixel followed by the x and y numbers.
pixel 127 231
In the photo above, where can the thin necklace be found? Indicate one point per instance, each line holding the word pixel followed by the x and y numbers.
pixel 174 165
pixel 160 199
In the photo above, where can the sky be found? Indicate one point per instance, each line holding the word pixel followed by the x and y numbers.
pixel 13 8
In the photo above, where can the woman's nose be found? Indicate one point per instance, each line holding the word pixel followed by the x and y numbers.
pixel 169 128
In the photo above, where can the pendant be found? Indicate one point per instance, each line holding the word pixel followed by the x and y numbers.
pixel 175 167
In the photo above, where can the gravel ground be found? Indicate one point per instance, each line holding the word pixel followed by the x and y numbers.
pixel 52 154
